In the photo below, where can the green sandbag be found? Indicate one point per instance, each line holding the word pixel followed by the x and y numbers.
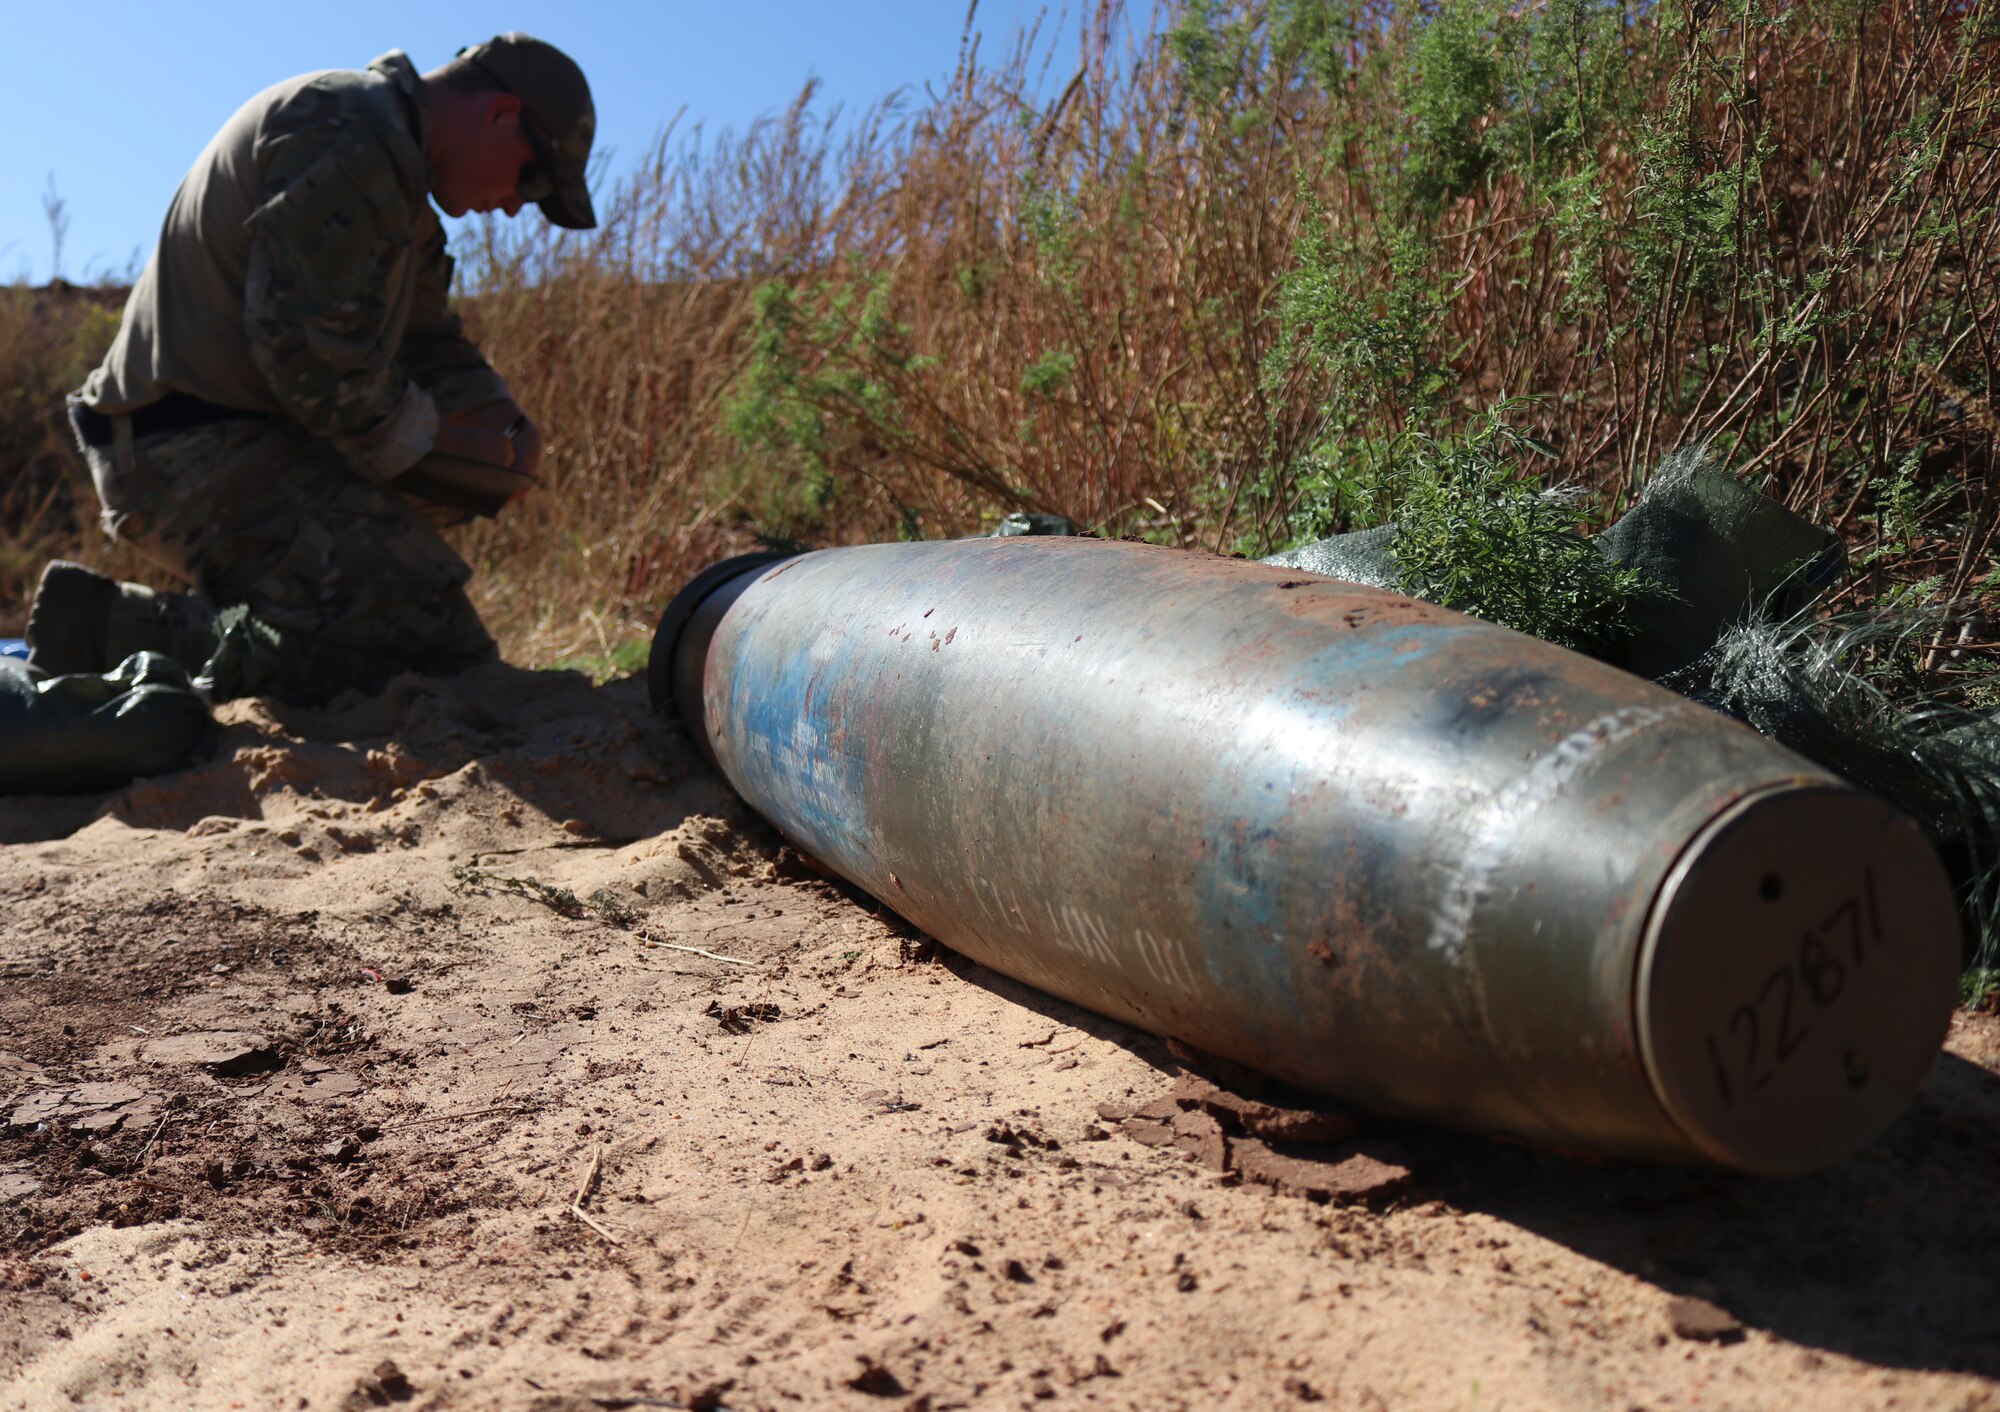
pixel 1722 553
pixel 83 733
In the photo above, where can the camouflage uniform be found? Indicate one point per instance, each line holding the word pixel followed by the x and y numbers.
pixel 264 514
pixel 301 280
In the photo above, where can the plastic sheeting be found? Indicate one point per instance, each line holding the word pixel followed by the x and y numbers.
pixel 77 734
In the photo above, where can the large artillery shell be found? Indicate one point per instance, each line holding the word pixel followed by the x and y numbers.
pixel 1360 842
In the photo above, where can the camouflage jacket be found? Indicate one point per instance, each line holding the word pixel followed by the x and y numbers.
pixel 301 272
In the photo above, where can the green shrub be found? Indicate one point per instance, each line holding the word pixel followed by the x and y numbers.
pixel 1477 532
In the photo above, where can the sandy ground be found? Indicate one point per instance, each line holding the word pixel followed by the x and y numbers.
pixel 307 1053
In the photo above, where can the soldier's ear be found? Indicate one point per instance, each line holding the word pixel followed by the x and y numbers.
pixel 498 108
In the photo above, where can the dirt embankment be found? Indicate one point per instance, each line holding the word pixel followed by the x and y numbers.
pixel 470 1048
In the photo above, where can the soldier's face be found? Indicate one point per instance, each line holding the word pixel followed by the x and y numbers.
pixel 488 169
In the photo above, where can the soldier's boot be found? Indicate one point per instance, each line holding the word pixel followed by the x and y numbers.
pixel 67 619
pixel 252 658
pixel 179 625
pixel 83 621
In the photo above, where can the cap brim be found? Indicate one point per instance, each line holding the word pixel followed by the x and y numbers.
pixel 569 204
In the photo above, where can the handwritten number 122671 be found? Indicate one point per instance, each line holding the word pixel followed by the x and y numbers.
pixel 1767 1028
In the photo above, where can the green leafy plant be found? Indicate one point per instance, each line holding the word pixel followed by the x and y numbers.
pixel 622 660
pixel 1477 532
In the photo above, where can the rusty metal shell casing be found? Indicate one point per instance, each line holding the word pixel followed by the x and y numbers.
pixel 1362 843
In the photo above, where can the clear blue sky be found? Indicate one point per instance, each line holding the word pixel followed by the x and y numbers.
pixel 117 98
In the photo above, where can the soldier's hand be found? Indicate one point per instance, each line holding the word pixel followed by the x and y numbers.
pixel 479 426
pixel 527 447
pixel 475 443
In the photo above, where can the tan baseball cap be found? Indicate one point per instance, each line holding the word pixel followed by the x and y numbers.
pixel 561 118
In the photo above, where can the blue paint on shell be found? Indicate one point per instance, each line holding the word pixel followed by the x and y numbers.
pixel 784 728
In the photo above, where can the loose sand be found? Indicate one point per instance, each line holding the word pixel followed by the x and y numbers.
pixel 306 1054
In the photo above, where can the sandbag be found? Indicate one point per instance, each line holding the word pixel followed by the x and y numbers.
pixel 1721 553
pixel 87 732
pixel 1363 556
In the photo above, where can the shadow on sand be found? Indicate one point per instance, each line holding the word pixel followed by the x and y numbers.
pixel 1892 1257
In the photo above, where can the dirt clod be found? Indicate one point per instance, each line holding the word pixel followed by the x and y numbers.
pixel 1148 1133
pixel 1258 1118
pixel 739 1019
pixel 709 1396
pixel 1345 1173
pixel 224 1053
pixel 1278 1146
pixel 382 1387
pixel 1199 1135
pixel 1702 1321
pixel 876 1380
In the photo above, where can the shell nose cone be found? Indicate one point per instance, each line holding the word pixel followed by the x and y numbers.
pixel 1796 978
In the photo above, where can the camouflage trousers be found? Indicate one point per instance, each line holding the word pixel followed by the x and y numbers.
pixel 349 574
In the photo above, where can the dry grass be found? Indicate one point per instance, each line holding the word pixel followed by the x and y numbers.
pixel 1197 294
pixel 49 339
